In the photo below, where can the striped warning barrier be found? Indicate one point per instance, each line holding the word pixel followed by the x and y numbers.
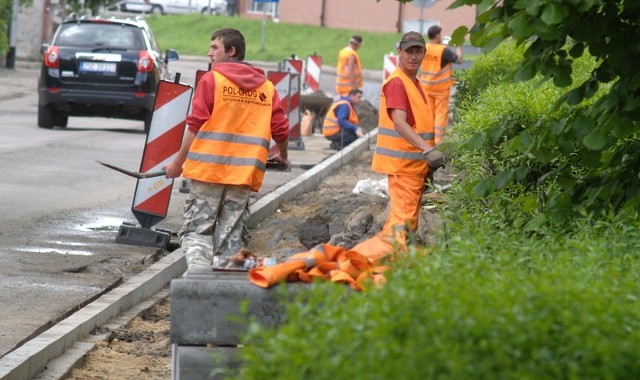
pixel 389 64
pixel 287 84
pixel 295 66
pixel 293 111
pixel 152 195
pixel 312 73
pixel 281 81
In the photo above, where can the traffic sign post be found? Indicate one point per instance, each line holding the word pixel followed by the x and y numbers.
pixel 264 21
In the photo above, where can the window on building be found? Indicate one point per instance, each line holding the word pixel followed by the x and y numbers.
pixel 267 7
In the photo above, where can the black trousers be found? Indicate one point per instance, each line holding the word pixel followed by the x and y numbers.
pixel 342 138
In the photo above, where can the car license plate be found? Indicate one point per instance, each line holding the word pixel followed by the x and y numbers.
pixel 98 67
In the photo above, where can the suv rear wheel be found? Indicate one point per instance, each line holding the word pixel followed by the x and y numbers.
pixel 46 117
pixel 60 120
pixel 157 10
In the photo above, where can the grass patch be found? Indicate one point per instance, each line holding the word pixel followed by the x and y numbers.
pixel 191 34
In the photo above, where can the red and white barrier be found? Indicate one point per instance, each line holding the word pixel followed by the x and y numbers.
pixel 281 81
pixel 152 195
pixel 295 66
pixel 389 64
pixel 287 84
pixel 312 73
pixel 295 137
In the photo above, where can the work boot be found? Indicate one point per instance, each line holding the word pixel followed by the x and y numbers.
pixel 198 269
pixel 334 146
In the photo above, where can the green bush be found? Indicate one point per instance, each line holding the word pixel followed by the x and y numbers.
pixel 487 69
pixel 511 142
pixel 492 305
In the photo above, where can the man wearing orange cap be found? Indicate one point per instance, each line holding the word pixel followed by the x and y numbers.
pixel 404 149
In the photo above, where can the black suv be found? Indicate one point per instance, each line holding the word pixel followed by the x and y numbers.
pixel 101 67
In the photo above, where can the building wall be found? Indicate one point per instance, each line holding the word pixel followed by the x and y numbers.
pixel 29 31
pixel 375 16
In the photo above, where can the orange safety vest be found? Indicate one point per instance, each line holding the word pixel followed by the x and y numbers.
pixel 435 79
pixel 394 154
pixel 231 147
pixel 330 126
pixel 343 84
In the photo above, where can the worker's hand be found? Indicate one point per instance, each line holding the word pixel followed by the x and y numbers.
pixel 283 161
pixel 359 132
pixel 173 170
pixel 435 159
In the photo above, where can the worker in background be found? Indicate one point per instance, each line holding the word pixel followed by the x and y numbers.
pixel 341 122
pixel 349 67
pixel 405 148
pixel 235 113
pixel 437 78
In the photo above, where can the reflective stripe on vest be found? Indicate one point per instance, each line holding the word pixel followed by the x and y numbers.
pixel 231 147
pixel 394 154
pixel 330 126
pixel 435 79
pixel 343 84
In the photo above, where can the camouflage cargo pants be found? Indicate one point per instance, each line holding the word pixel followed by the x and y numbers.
pixel 215 219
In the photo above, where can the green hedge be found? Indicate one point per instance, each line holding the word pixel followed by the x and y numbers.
pixel 494 305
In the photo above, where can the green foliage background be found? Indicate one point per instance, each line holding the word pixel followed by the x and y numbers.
pixel 585 150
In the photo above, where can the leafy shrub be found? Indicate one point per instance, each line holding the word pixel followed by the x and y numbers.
pixel 515 133
pixel 487 69
pixel 492 305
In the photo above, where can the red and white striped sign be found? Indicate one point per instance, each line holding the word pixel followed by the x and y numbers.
pixel 293 109
pixel 295 66
pixel 287 84
pixel 390 64
pixel 152 195
pixel 312 72
pixel 282 82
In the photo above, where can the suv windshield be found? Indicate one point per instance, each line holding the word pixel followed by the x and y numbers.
pixel 107 36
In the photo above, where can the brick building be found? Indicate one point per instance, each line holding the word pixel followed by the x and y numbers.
pixel 366 15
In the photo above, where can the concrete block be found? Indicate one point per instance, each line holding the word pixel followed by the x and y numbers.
pixel 207 308
pixel 199 362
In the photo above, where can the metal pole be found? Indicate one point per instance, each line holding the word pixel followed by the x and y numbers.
pixel 13 31
pixel 264 25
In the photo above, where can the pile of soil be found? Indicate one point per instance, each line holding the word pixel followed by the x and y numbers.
pixel 142 349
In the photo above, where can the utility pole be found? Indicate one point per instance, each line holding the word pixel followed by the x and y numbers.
pixel 13 29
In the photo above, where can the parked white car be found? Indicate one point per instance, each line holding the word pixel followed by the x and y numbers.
pixel 162 7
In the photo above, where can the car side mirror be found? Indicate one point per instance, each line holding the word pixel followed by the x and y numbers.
pixel 171 55
pixel 44 48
